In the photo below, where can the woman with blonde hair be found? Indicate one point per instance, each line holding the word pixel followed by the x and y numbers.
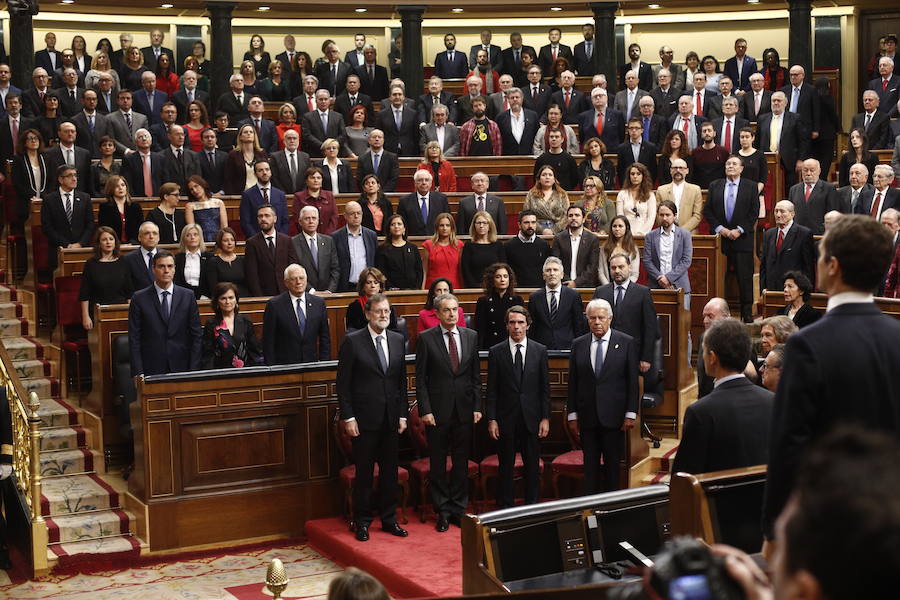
pixel 443 252
pixel 132 69
pixel 599 210
pixel 442 172
pixel 287 121
pixel 337 176
pixel 191 261
pixel 251 82
pixel 636 201
pixel 548 200
pixel 100 64
pixel 275 87
pixel 482 250
pixel 241 162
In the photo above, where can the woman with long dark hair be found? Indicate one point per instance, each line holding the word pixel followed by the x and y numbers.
pixel 428 315
pixel 674 146
pixel 620 241
pixel 119 213
pixel 226 265
pixel 258 56
pixel 371 282
pixel 229 338
pixel 858 152
pixel 775 75
pixel 481 251
pixel 376 208
pixel 399 259
pixel 29 172
pixel 637 201
pixel 499 285
pixel 105 279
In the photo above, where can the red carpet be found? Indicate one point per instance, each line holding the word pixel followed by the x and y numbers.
pixel 426 563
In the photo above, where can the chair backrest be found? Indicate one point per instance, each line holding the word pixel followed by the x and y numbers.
pixel 40 248
pixel 470 321
pixel 404 329
pixel 416 429
pixel 343 440
pixel 68 308
pixel 126 394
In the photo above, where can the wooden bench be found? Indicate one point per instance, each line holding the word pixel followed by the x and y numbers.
pixel 773 302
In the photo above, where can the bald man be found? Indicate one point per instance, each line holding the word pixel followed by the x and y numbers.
pixel 786 247
pixel 813 197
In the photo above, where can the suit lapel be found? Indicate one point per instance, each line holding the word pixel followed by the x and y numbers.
pixel 511 366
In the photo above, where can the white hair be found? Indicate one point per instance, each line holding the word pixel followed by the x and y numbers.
pixel 598 304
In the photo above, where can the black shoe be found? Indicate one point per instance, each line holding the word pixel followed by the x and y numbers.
pixel 455 520
pixel 362 533
pixel 395 529
pixel 442 524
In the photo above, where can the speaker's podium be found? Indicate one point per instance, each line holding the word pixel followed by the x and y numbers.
pixel 559 545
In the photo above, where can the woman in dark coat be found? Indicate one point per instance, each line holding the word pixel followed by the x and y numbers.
pixel 229 338
pixel 499 285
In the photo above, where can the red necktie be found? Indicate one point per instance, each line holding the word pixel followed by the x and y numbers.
pixel 808 193
pixel 309 103
pixel 687 126
pixel 875 204
pixel 728 136
pixel 505 103
pixel 568 98
pixel 699 104
pixel 884 84
pixel 554 54
pixel 779 241
pixel 599 126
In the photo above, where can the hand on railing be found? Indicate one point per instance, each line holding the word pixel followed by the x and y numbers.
pixel 5 471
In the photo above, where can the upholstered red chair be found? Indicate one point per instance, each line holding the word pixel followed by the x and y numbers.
pixel 489 467
pixel 422 466
pixel 348 473
pixel 73 338
pixel 569 464
pixel 43 290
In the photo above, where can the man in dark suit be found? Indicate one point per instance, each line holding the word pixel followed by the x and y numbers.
pixel 603 395
pixel 439 130
pixel 786 247
pixel 189 92
pixel 731 211
pixel 758 100
pixel 740 67
pixel 570 100
pixel 235 101
pixel 495 54
pixel 266 256
pixel 421 207
pixel 321 124
pixel 90 125
pixel 611 121
pixel 106 99
pixel 874 121
pixel 67 153
pixel 33 97
pixel 117 57
pixel 635 149
pixel 792 143
pixel 380 162
pixel 400 125
pixel 436 95
pixel 265 129
pixel 289 165
pixel 643 70
pixel 350 262
pixel 550 52
pixel 887 86
pixel 212 160
pixel 480 199
pixel 373 77
pixel 66 215
pixel 148 100
pixel 882 197
pixel 579 270
pixel 126 122
pixel 306 101
pixel 518 405
pixel 813 197
pixel 48 58
pixel 135 165
pixel 139 262
pixel 729 428
pixel 664 95
pixel 850 197
pixel 511 58
pixel 448 389
pixel 555 309
pixel 69 93
pixel 12 126
pixel 356 57
pixel 530 123
pixel 584 51
pixel 803 100
pixel 699 95
pixel 332 74
pixel 178 163
pixel 847 354
pixel 155 49
pixel 655 127
pixel 259 195
pixel 731 123
pixel 316 252
pixel 295 324
pixel 351 98
pixel 61 78
pixel 371 389
pixel 164 333
pixel 168 114
pixel 536 96
pixel 451 64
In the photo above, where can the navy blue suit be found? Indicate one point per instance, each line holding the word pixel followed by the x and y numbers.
pixel 158 345
pixel 252 199
pixel 268 137
pixel 283 342
pixel 342 247
pixel 142 106
pixel 137 267
pixel 569 323
pixel 613 127
pixel 524 145
pixel 458 69
pixel 748 68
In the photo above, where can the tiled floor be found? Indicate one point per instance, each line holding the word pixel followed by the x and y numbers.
pixel 229 576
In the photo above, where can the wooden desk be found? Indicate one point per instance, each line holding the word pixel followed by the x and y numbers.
pixel 773 302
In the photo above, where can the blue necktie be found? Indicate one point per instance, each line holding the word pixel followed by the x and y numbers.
pixel 165 305
pixel 324 122
pixel 795 99
pixel 598 358
pixel 424 208
pixel 375 161
pixel 301 316
pixel 314 251
pixel 620 291
pixel 646 129
pixel 382 358
pixel 729 201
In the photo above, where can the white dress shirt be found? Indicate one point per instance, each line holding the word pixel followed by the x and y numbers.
pixel 192 267
pixel 575 240
pixel 558 291
pixel 456 336
pixel 666 248
pixel 849 298
pixel 512 349
pixel 605 350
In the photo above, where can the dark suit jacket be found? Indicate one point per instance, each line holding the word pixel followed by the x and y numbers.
pixel 283 343
pixel 578 103
pixel 794 142
pixel 525 144
pixel 586 261
pixel 706 100
pixel 263 272
pixel 845 197
pixel 158 346
pixel 508 397
pixel 508 64
pixel 405 141
pixel 342 105
pixel 808 108
pixel 583 63
pixel 7 143
pixel 376 87
pixel 213 172
pixel 811 214
pixel 60 233
pixel 739 122
pixel 495 54
pixel 137 267
pixel 748 68
pixel 665 104
pixel 142 106
pixel 891 200
pixel 174 172
pixel 388 170
pixel 727 429
pixel 133 171
pixel 364 391
pixel 425 102
pixel 408 206
pixel 603 401
pixel 539 103
pixel 53 157
pixel 815 385
pixel 179 98
pixel 798 253
pixel 314 135
pixel 545 57
pixel 635 316
pixel 42 59
pixel 150 56
pixel 646 156
pixel 879 129
pixel 613 127
pixel 335 85
pixel 201 289
pixel 556 334
pixel 804 316
pixel 748 106
pixel 324 274
pixel 236 112
pixel 67 106
pixel 251 200
pixel 281 172
pixel 268 137
pixel 458 69
pixel 440 390
pixel 493 205
pixel 745 214
pixel 889 96
pixel 342 247
pixel 657 130
pixel 32 105
pixel 645 75
pixel 160 134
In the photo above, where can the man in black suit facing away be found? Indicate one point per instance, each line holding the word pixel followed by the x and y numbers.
pixel 420 208
pixel 603 395
pixel 379 161
pixel 837 370
pixel 731 211
pixel 164 334
pixel 371 389
pixel 295 324
pixel 518 405
pixel 480 199
pixel 66 215
pixel 729 428
pixel 788 246
pixel 448 389
pixel 555 309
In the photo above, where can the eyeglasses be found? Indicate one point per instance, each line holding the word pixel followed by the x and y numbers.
pixel 31 138
pixel 765 366
pixel 587 185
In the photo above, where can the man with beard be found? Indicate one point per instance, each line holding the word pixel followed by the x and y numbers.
pixel 479 136
pixel 484 70
pixel 709 158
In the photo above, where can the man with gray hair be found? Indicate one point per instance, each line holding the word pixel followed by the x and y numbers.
pixel 33 97
pixel 235 101
pixel 427 102
pixel 316 252
pixel 813 197
pixel 667 63
pixel 355 247
pixel 883 196
pixel 849 196
pixel 139 164
pixel 874 121
pixel 887 86
pixel 118 57
pixel 295 324
pixel 758 100
pixel 420 208
pixel 664 95
pixel 148 100
pixel 187 93
pixel 729 125
pixel 439 129
pixel 788 246
pixel 306 101
pixel 626 101
pixel 555 309
pixel 603 396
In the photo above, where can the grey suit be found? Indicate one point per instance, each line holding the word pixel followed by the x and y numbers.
pixel 493 205
pixel 86 138
pixel 124 135
pixel 451 138
pixel 621 102
pixel 323 274
pixel 682 254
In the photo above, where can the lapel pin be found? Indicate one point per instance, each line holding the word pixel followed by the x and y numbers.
pixel 616 347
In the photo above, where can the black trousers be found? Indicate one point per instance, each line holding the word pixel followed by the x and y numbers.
pixel 369 447
pixel 515 437
pixel 608 443
pixel 453 436
pixel 740 264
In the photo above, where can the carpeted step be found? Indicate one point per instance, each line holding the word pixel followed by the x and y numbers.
pixel 14 327
pixel 55 412
pixel 655 478
pixel 122 546
pixel 31 369
pixel 63 438
pixel 89 526
pixel 22 348
pixel 56 463
pixel 45 387
pixel 10 310
pixel 77 494
pixel 7 293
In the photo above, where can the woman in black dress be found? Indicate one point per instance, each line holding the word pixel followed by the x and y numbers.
pixel 229 338
pixel 119 213
pixel 51 117
pixel 258 56
pixel 104 167
pixel 594 164
pixel 105 279
pixel 857 153
pixel 398 259
pixel 29 172
pixel 481 251
pixel 674 146
pixel 226 265
pixel 167 216
pixel 371 282
pixel 797 289
pixel 499 285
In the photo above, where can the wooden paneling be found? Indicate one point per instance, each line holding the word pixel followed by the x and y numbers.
pixel 772 302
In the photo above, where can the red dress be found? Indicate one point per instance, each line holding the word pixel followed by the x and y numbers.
pixel 194 137
pixel 167 83
pixel 443 261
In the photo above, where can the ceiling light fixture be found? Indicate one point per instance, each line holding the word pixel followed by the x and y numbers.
pixel 555 8
pixel 360 10
pixel 456 10
pixel 264 8
pixel 654 6
pixel 166 5
pixel 67 1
